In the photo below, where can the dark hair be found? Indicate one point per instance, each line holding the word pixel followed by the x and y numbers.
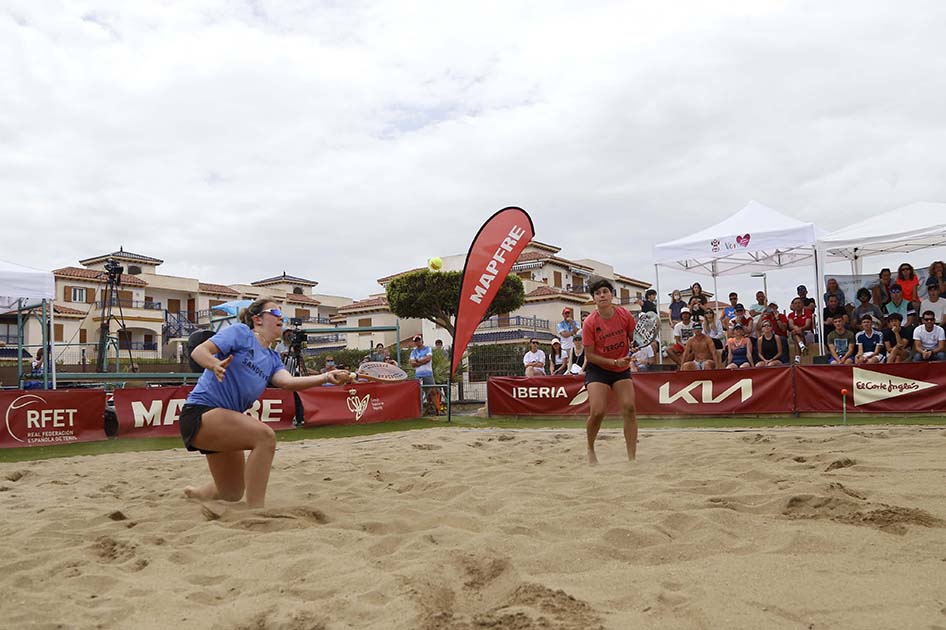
pixel 533 341
pixel 930 313
pixel 887 269
pixel 867 318
pixel 650 292
pixel 600 283
pixel 862 292
pixel 896 316
pixel 900 270
pixel 254 309
pixel 696 284
pixel 733 294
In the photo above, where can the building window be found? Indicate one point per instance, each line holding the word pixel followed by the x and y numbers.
pixel 78 294
pixel 557 279
pixel 364 323
pixel 297 290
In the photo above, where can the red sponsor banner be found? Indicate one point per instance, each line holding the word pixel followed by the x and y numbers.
pixel 155 412
pixel 493 252
pixel 898 388
pixel 715 392
pixel 46 417
pixel 361 403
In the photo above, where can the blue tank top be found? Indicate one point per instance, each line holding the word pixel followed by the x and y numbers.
pixel 740 353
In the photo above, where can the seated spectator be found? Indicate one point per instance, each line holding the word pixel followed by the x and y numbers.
pixel 807 302
pixel 576 360
pixel 739 348
pixel 700 351
pixel 908 282
pixel 534 359
pixel 741 319
pixel 896 341
pixel 759 307
pixel 558 359
pixel 801 325
pixel 897 304
pixel 681 335
pixel 881 292
pixel 779 322
pixel 642 359
pixel 696 290
pixel 36 365
pixel 676 305
pixel 938 270
pixel 841 344
pixel 870 343
pixel 832 288
pixel 713 329
pixel 833 310
pixel 934 302
pixel 866 308
pixel 929 340
pixel 770 346
pixel 730 311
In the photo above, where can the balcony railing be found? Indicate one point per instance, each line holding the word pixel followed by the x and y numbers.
pixel 150 306
pixel 516 321
pixel 137 345
pixel 334 338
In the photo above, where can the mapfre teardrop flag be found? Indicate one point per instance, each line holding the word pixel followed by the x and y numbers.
pixel 493 253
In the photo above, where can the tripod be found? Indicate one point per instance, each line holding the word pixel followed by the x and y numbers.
pixel 113 277
pixel 295 364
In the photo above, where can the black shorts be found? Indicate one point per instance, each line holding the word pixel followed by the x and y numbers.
pixel 192 416
pixel 597 374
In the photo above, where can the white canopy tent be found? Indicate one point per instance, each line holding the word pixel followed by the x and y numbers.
pixel 25 286
pixel 755 239
pixel 904 230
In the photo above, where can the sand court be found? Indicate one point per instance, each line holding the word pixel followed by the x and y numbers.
pixel 465 528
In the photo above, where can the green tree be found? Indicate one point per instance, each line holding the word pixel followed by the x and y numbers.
pixel 434 296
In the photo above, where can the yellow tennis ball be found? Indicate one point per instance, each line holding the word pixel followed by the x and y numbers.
pixel 435 263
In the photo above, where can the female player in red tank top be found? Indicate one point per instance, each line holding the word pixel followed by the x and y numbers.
pixel 608 334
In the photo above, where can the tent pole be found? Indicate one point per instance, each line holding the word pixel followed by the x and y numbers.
pixel 819 326
pixel 715 290
pixel 52 340
pixel 660 354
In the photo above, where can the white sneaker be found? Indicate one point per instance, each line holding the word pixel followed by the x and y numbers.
pixel 797 358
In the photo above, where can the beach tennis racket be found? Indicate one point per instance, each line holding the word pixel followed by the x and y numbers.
pixel 646 330
pixel 378 372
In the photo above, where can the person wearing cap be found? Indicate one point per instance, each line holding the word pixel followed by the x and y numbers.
pixel 567 329
pixel 576 358
pixel 741 318
pixel 558 358
pixel 700 351
pixel 534 359
pixel 609 334
pixel 681 335
pixel 739 348
pixel 808 302
pixel 870 343
pixel 866 307
pixel 929 340
pixel 897 304
pixel 934 301
pixel 841 343
pixel 422 361
pixel 896 340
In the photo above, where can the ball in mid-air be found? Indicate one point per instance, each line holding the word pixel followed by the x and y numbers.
pixel 435 263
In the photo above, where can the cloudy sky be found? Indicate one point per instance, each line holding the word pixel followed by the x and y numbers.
pixel 344 141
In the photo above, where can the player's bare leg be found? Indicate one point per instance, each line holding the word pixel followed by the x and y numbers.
pixel 598 405
pixel 624 390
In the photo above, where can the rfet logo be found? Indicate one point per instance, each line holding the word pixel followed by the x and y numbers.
pixel 874 386
pixel 42 423
pixel 706 393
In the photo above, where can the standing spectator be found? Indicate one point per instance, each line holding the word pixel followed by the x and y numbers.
pixel 729 313
pixel 36 365
pixel 841 344
pixel 558 358
pixel 697 291
pixel 870 343
pixel 770 346
pixel 866 308
pixel 441 349
pixel 934 302
pixel 808 302
pixel 379 354
pixel 759 307
pixel 676 305
pixel 567 329
pixel 534 359
pixel 897 304
pixel 421 360
pixel 681 335
pixel 800 325
pixel 895 340
pixel 696 309
pixel 938 270
pixel 908 282
pixel 881 291
pixel 649 305
pixel 740 349
pixel 576 359
pixel 929 340
pixel 700 351
pixel 329 365
pixel 832 288
pixel 713 329
pixel 833 311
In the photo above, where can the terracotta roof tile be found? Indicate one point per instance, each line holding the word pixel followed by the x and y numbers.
pixel 547 292
pixel 361 305
pixel 284 279
pixel 216 289
pixel 298 298
pixel 94 275
pixel 122 255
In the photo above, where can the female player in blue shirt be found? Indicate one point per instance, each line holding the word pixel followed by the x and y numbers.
pixel 238 365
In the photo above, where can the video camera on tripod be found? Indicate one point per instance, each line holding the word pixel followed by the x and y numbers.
pixel 298 338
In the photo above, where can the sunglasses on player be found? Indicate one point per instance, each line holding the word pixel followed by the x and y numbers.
pixel 275 312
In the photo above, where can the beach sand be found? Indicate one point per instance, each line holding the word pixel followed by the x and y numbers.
pixel 461 528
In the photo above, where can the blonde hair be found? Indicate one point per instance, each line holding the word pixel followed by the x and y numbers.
pixel 254 309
